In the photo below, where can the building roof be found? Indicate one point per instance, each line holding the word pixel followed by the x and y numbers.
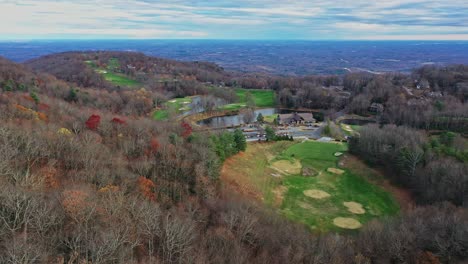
pixel 296 117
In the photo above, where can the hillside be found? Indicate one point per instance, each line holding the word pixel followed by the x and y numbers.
pixel 82 68
pixel 88 176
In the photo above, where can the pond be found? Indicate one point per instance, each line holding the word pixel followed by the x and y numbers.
pixel 198 104
pixel 242 118
pixel 357 122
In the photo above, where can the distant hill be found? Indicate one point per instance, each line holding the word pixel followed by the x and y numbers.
pixel 112 68
pixel 18 77
pixel 292 58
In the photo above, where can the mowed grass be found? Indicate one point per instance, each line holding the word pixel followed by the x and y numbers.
pixel 270 118
pixel 252 171
pixel 111 76
pixel 120 79
pixel 262 98
pixel 176 106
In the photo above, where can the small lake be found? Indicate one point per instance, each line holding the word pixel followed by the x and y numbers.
pixel 357 122
pixel 197 104
pixel 242 117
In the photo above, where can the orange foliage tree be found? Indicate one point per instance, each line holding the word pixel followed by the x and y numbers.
pixel 49 173
pixel 154 146
pixel 147 188
pixel 75 203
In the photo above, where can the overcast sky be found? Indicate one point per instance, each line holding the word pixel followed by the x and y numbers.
pixel 221 19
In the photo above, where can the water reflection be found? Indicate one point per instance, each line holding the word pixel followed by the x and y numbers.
pixel 239 119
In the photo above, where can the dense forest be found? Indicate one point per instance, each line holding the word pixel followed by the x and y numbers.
pixel 87 177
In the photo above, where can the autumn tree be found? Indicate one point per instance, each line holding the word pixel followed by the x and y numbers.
pixel 93 122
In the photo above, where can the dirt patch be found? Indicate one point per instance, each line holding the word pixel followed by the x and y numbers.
pixel 279 194
pixel 347 223
pixel 335 171
pixel 287 167
pixel 355 208
pixel 316 194
pixel 309 171
pixel 305 206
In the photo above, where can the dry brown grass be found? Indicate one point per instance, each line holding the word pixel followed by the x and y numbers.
pixel 279 195
pixel 287 167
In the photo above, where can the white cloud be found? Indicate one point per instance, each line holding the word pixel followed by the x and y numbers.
pixel 247 19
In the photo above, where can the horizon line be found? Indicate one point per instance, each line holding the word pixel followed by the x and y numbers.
pixel 219 39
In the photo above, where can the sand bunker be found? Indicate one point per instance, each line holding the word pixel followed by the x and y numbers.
pixel 347 223
pixel 287 167
pixel 338 154
pixel 335 171
pixel 355 208
pixel 316 194
pixel 347 128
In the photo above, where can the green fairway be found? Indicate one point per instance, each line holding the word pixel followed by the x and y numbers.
pixel 175 106
pixel 111 75
pixel 120 79
pixel 293 194
pixel 262 98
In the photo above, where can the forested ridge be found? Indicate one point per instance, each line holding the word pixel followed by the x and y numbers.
pixel 87 176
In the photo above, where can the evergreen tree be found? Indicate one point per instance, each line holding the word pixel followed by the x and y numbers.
pixel 260 118
pixel 34 97
pixel 239 140
pixel 72 96
pixel 270 134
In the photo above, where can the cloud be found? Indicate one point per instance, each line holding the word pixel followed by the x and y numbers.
pixel 289 19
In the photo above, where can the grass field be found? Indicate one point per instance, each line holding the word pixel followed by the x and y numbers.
pixel 176 106
pixel 111 76
pixel 262 98
pixel 120 79
pixel 254 174
pixel 270 118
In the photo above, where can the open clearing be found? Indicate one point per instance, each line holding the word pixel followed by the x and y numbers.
pixel 325 201
pixel 262 98
pixel 111 76
pixel 175 106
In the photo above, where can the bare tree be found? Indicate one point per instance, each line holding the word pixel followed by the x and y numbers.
pixel 178 238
